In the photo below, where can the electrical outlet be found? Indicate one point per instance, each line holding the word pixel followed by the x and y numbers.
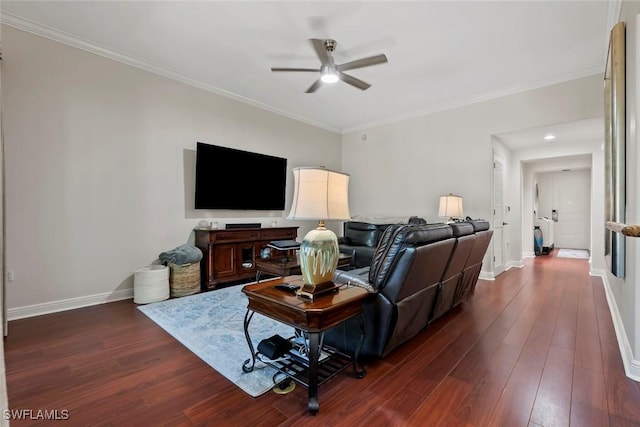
pixel 11 275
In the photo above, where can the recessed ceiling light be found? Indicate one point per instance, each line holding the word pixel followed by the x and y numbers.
pixel 549 137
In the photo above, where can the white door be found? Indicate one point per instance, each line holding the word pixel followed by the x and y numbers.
pixel 498 214
pixel 572 204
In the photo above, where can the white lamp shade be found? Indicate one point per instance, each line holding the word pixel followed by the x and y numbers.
pixel 320 194
pixel 450 206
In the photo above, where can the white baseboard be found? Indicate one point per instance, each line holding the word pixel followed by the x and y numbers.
pixel 631 365
pixel 487 275
pixel 528 255
pixel 514 264
pixel 67 304
pixel 598 272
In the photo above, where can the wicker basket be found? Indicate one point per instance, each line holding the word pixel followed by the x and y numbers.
pixel 184 279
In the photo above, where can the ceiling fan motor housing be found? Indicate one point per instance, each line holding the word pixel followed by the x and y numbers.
pixel 330 44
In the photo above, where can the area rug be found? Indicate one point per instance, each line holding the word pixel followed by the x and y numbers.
pixel 210 324
pixel 573 253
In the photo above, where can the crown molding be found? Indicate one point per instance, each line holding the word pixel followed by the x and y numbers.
pixel 70 40
pixel 479 98
pixel 38 29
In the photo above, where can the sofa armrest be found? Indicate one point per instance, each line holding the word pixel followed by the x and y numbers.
pixel 358 277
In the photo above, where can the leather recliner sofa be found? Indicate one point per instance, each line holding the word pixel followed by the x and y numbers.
pixel 418 273
pixel 360 240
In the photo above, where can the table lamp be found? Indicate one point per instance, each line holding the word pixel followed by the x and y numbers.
pixel 450 206
pixel 319 194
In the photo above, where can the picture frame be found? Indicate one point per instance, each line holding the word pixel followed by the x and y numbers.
pixel 615 148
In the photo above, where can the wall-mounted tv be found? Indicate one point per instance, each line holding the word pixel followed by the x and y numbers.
pixel 227 178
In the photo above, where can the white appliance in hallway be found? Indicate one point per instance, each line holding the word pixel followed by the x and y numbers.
pixel 546 226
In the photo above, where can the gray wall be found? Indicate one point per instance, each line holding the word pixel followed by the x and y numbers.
pixel 403 168
pixel 100 159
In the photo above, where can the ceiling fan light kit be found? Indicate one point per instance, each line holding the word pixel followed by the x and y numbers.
pixel 330 72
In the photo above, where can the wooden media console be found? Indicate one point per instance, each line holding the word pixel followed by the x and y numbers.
pixel 230 254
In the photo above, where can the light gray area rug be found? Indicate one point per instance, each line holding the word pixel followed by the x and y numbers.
pixel 573 253
pixel 210 324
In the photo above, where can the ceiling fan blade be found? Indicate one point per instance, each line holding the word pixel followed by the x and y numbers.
pixel 364 62
pixel 314 86
pixel 353 81
pixel 315 70
pixel 321 51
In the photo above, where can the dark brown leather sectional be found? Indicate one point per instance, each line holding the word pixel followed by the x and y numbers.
pixel 418 273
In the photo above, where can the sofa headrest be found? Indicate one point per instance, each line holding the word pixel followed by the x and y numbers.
pixel 479 224
pixel 461 229
pixel 360 226
pixel 395 239
pixel 416 220
pixel 419 235
pixel 361 233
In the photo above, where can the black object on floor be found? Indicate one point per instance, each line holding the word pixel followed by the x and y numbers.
pixel 285 386
pixel 274 347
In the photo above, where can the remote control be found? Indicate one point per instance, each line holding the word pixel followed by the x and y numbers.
pixel 290 287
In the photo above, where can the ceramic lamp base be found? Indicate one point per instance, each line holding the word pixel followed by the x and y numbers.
pixel 319 256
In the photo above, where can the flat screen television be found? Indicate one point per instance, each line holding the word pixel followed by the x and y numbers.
pixel 227 178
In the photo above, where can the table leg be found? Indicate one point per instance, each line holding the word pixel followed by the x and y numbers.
pixel 314 353
pixel 258 274
pixel 248 364
pixel 362 372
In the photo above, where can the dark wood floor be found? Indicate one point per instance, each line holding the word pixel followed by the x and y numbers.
pixel 536 347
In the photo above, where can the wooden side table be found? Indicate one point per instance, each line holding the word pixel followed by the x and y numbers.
pixel 311 317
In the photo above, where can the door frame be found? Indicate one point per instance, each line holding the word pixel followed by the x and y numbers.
pixel 499 226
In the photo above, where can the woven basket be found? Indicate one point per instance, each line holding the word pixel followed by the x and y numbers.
pixel 184 279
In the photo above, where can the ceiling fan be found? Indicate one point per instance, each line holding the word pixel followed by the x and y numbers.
pixel 330 72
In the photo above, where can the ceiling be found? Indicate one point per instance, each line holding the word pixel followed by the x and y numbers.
pixel 577 132
pixel 559 164
pixel 441 54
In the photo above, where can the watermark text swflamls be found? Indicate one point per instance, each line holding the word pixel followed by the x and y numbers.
pixel 36 414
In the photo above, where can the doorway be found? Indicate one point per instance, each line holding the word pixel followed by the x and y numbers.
pixel 565 197
pixel 568 148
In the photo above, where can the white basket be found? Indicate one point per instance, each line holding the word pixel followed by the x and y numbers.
pixel 151 284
